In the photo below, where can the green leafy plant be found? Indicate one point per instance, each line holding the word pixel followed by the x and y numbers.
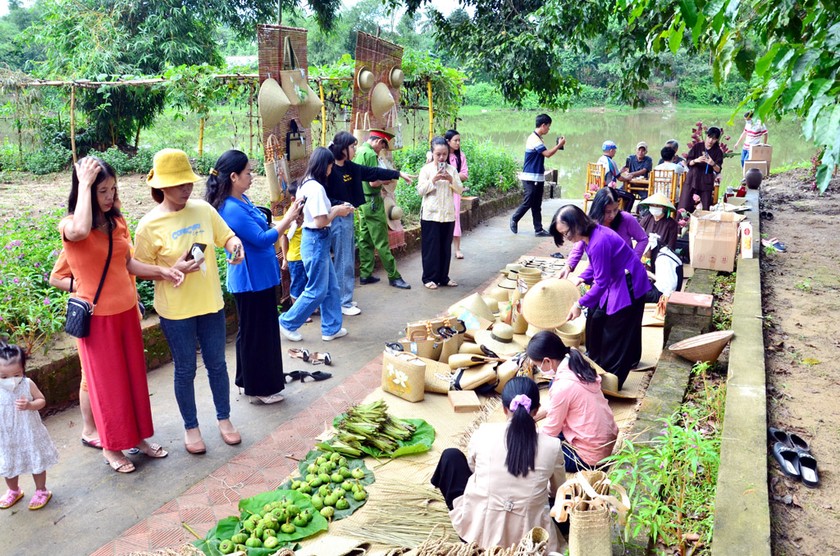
pixel 48 159
pixel 723 291
pixel 804 285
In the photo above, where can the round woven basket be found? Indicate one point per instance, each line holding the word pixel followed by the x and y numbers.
pixel 705 347
pixel 572 332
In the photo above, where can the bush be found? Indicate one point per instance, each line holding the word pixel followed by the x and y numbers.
pixel 204 163
pixel 31 311
pixel 10 158
pixel 49 159
pixel 123 163
pixel 484 95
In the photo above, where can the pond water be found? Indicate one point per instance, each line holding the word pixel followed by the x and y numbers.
pixel 586 128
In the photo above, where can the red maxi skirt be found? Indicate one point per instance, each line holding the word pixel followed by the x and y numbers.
pixel 115 368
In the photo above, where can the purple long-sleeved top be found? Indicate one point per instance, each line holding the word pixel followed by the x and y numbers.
pixel 629 229
pixel 609 259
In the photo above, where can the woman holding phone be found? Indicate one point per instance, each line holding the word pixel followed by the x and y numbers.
pixel 437 184
pixel 182 232
pixel 259 359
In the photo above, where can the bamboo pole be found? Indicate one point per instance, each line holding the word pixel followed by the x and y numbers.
pixel 323 115
pixel 201 136
pixel 250 120
pixel 431 111
pixel 73 123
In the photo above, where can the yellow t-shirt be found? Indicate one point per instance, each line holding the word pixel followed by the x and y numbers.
pixel 293 252
pixel 162 237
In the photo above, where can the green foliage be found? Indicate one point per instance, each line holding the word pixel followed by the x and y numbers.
pixel 124 164
pixel 483 94
pixel 671 480
pixel 10 157
pixel 724 292
pixel 204 163
pixel 31 311
pixel 48 159
pixel 447 86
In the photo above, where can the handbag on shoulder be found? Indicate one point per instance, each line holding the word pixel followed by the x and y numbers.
pixel 79 311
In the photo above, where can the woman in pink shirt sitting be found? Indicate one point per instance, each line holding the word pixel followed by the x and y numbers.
pixel 577 412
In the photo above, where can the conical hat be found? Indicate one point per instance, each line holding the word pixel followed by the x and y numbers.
pixel 310 107
pixel 365 79
pixel 396 77
pixel 547 303
pixel 381 100
pixel 658 198
pixel 273 103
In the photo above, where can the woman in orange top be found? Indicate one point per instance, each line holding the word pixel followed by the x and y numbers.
pixel 112 353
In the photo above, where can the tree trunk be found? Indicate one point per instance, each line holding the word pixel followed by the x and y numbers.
pixel 201 136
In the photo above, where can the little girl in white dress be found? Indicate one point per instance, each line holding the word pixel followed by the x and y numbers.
pixel 25 444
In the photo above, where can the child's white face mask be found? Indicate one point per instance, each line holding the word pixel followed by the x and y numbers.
pixel 10 383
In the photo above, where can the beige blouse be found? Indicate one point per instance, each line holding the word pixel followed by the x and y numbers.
pixel 438 200
pixel 498 509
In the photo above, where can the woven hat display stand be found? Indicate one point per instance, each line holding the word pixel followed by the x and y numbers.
pixel 271 41
pixel 587 500
pixel 380 57
pixel 535 543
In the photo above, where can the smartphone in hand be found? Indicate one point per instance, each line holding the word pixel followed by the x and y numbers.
pixel 196 252
pixel 441 167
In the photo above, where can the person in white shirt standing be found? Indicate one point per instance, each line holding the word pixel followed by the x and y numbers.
pixel 755 133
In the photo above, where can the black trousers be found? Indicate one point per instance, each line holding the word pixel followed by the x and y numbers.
pixel 687 198
pixel 259 359
pixel 615 341
pixel 436 244
pixel 628 198
pixel 532 200
pixel 451 475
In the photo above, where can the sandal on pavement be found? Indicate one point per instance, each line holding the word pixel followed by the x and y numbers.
pixel 154 450
pixel 317 376
pixel 459 255
pixel 122 465
pixel 293 376
pixel 92 443
pixel 299 353
pixel 318 358
pixel 451 284
pixel 267 400
pixel 40 499
pixel 431 285
pixel 787 459
pixel 12 497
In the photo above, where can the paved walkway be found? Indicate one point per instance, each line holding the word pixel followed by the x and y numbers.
pixel 96 511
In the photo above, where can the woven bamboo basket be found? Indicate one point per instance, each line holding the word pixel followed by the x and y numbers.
pixel 705 347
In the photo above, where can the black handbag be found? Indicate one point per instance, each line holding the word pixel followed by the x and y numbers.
pixel 79 311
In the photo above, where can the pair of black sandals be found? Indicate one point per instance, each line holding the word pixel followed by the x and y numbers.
pixel 793 454
pixel 305 376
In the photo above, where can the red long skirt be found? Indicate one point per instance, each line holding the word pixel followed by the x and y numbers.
pixel 112 356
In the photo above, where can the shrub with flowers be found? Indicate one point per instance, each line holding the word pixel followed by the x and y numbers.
pixel 31 311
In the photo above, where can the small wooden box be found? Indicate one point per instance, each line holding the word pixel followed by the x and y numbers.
pixel 464 401
pixel 762 165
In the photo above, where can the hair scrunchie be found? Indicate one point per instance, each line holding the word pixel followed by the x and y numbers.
pixel 214 172
pixel 520 400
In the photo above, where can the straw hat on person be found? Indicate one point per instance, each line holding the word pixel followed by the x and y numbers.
pixel 381 100
pixel 171 167
pixel 499 339
pixel 660 199
pixel 396 77
pixel 273 103
pixel 365 79
pixel 547 304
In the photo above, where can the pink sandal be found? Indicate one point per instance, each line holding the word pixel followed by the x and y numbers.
pixel 40 499
pixel 12 497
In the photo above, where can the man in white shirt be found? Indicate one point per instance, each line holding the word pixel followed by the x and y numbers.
pixel 754 134
pixel 668 163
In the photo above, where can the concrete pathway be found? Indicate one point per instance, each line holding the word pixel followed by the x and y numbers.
pixel 95 510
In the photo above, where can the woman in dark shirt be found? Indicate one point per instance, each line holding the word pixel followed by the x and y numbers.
pixel 704 164
pixel 345 186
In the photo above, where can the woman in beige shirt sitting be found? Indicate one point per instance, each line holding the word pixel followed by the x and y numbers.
pixel 437 184
pixel 500 491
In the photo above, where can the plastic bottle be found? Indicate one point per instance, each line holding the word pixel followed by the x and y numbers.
pixel 745 228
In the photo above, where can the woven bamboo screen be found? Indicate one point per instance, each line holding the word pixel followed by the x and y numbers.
pixel 380 57
pixel 270 42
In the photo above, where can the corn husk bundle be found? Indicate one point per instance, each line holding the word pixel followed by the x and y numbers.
pixel 589 500
pixel 368 425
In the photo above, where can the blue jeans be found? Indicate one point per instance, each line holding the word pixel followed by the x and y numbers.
pixel 572 461
pixel 321 285
pixel 344 253
pixel 181 335
pixel 297 275
pixel 744 155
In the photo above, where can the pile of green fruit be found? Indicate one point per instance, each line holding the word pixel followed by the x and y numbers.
pixel 335 484
pixel 260 530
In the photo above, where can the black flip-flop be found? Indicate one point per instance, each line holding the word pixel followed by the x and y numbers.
pixel 787 459
pixel 317 376
pixel 808 470
pixel 788 439
pixel 294 376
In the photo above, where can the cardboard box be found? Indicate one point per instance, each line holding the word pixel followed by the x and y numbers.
pixel 762 152
pixel 762 165
pixel 464 401
pixel 713 239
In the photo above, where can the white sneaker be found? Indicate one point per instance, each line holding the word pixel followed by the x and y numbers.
pixel 350 311
pixel 340 334
pixel 291 335
pixel 354 304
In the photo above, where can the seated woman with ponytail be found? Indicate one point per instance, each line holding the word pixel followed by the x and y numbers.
pixel 499 491
pixel 577 412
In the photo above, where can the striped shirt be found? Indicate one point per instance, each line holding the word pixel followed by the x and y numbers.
pixel 755 130
pixel 534 167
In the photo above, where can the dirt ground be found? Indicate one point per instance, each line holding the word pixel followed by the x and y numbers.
pixel 801 292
